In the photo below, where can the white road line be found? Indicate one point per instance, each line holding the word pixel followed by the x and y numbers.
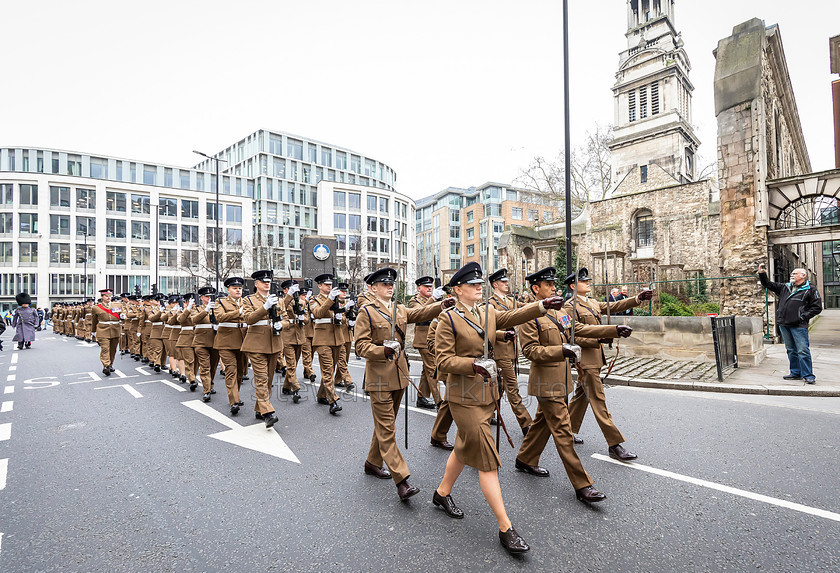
pixel 212 413
pixel 127 388
pixel 4 469
pixel 14 358
pixel 9 390
pixel 12 368
pixel 6 406
pixel 1 542
pixel 725 488
pixel 5 431
pixel 11 377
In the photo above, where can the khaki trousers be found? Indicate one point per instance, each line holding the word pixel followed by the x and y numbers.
pixel 328 357
pixel 188 356
pixel 156 351
pixel 383 445
pixel 208 360
pixel 292 353
pixel 107 350
pixel 590 392
pixel 263 366
pixel 306 355
pixel 511 385
pixel 552 420
pixel 428 384
pixel 443 422
pixel 235 363
pixel 343 371
pixel 144 340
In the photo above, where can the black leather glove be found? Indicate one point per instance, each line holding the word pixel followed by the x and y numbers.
pixel 480 370
pixel 569 353
pixel 389 353
pixel 646 294
pixel 553 302
pixel 448 302
pixel 624 331
pixel 605 340
pixel 510 335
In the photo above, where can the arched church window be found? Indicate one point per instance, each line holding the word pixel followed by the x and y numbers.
pixel 644 229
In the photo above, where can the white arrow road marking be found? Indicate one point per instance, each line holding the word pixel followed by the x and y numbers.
pixel 4 469
pixel 167 382
pixel 142 370
pixel 128 389
pixel 5 431
pixel 254 437
pixel 724 488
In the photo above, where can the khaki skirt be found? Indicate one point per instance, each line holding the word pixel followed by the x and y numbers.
pixel 474 443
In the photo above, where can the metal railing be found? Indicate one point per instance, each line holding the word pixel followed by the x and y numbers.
pixel 726 345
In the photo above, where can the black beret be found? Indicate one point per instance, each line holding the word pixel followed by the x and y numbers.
pixel 500 275
pixel 582 275
pixel 386 275
pixel 264 276
pixel 468 274
pixel 546 274
pixel 234 281
pixel 422 281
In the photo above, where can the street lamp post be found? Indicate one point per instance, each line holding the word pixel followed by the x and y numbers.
pixel 218 212
pixel 157 244
pixel 85 262
pixel 567 151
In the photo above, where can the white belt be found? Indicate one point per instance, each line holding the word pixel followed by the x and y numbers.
pixel 109 322
pixel 323 320
pixel 156 323
pixel 148 321
pixel 204 326
pixel 262 323
pixel 178 326
pixel 166 325
pixel 183 328
pixel 232 325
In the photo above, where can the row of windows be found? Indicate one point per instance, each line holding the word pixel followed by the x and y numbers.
pixel 648 101
pixel 13 283
pixel 353 243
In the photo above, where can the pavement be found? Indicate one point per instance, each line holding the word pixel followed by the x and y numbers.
pixel 134 473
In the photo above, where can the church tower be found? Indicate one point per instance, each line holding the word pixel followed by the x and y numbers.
pixel 653 97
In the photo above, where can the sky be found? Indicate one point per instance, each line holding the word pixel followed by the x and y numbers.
pixel 446 92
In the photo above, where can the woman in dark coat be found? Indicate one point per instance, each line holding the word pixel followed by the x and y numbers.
pixel 24 321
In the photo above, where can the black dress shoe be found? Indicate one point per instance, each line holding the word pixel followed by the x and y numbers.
pixel 533 470
pixel 112 369
pixel 405 490
pixel 444 445
pixel 270 419
pixel 372 470
pixel 157 368
pixel 349 386
pixel 212 390
pixel 258 416
pixel 448 505
pixel 193 386
pixel 589 494
pixel 512 541
pixel 282 372
pixel 245 377
pixel 286 391
pixel 312 378
pixel 206 397
pixel 106 371
pixel 494 421
pixel 295 397
pixel 240 403
pixel 525 430
pixel 145 360
pixel 183 378
pixel 619 453
pixel 323 401
pixel 425 403
pixel 234 410
pixel 335 408
pixel 339 384
pixel 791 377
pixel 136 358
pixel 577 439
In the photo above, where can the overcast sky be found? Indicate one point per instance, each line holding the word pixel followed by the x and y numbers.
pixel 447 92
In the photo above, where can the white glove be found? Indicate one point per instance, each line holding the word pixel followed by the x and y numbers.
pixel 351 322
pixel 191 303
pixel 270 301
pixel 438 293
pixel 139 334
pixel 334 293
pixel 162 308
pixel 210 305
pixel 294 288
pixel 241 310
pixel 301 317
pixel 278 325
pixel 350 304
pixel 122 315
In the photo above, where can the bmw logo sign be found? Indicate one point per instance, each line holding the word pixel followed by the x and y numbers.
pixel 321 252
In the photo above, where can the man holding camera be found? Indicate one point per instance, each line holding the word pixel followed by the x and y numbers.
pixel 798 302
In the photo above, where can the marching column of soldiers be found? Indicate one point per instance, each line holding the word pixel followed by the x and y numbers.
pixel 469 339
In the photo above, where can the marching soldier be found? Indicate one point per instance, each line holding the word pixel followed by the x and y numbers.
pixel 133 313
pixel 263 342
pixel 387 374
pixel 106 322
pixel 443 420
pixel 328 340
pixel 184 344
pixel 590 388
pixel 228 341
pixel 545 344
pixel 156 350
pixel 124 302
pixel 507 350
pixel 343 372
pixel 87 323
pixel 204 323
pixel 428 385
pixel 294 336
pixel 473 393
pixel 309 330
pixel 146 326
pixel 171 330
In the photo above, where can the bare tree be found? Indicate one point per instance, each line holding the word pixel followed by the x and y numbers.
pixel 203 267
pixel 591 174
pixel 357 267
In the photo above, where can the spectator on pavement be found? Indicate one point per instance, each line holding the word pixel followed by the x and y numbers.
pixel 8 317
pixel 798 302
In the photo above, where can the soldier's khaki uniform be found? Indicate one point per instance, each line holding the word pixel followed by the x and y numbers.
pixel 342 369
pixel 133 316
pixel 184 344
pixel 443 420
pixel 472 398
pixel 203 343
pixel 506 354
pixel 307 349
pixel 107 324
pixel 171 330
pixel 294 339
pixel 156 350
pixel 228 341
pixel 550 380
pixel 590 389
pixel 328 340
pixel 428 385
pixel 146 329
pixel 386 380
pixel 262 348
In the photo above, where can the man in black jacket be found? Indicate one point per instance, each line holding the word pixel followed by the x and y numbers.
pixel 799 302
